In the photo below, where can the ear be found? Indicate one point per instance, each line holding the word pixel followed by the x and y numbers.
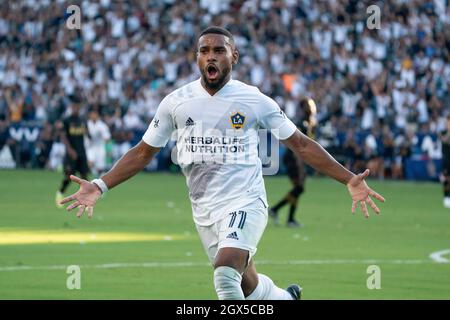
pixel 235 57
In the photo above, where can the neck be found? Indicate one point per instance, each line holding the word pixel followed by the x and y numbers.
pixel 213 91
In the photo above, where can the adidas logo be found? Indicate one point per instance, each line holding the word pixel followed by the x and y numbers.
pixel 233 235
pixel 190 122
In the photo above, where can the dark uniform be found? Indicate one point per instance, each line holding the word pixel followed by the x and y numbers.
pixel 75 130
pixel 295 166
pixel 445 137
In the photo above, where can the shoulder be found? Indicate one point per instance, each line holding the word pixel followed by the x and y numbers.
pixel 251 93
pixel 239 87
pixel 184 93
pixel 67 121
pixel 104 125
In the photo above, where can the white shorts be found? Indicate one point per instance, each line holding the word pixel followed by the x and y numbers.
pixel 240 229
pixel 97 155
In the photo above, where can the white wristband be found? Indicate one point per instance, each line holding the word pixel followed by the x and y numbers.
pixel 101 184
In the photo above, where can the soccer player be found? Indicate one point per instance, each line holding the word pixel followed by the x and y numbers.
pixel 445 137
pixel 296 171
pixel 217 118
pixel 72 136
pixel 99 135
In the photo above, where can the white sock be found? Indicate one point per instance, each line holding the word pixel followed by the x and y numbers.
pixel 258 293
pixel 267 290
pixel 227 282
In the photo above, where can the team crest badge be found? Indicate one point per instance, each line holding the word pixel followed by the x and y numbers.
pixel 237 120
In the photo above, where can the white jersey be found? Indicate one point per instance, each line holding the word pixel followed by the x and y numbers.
pixel 98 132
pixel 96 146
pixel 217 143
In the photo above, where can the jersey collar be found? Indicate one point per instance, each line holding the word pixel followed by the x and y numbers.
pixel 218 93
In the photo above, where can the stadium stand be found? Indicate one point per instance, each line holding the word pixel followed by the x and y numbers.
pixel 381 95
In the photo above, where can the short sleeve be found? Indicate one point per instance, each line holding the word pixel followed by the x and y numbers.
pixel 160 129
pixel 105 132
pixel 66 126
pixel 271 117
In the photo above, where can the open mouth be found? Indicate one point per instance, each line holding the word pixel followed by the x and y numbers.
pixel 212 71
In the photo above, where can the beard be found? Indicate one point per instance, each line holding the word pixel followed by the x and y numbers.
pixel 219 82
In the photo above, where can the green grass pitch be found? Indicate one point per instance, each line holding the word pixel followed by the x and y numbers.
pixel 142 243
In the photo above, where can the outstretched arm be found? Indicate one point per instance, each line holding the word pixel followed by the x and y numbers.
pixel 131 163
pixel 317 157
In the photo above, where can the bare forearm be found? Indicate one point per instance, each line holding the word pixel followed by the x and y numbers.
pixel 317 157
pixel 130 164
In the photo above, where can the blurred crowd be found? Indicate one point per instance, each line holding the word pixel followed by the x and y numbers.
pixel 382 94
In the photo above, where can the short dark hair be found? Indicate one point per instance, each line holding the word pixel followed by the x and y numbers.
pixel 75 99
pixel 218 30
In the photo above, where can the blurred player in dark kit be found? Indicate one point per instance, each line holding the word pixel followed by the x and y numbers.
pixel 73 133
pixel 445 137
pixel 306 122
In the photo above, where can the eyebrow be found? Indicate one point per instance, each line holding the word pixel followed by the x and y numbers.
pixel 214 47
